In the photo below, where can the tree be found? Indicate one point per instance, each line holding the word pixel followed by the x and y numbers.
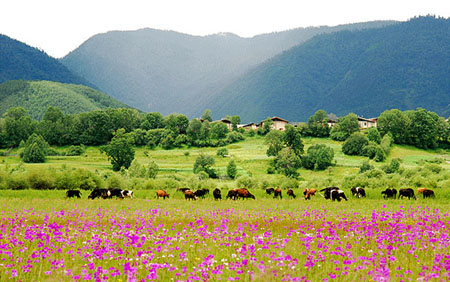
pixel 318 157
pixel 205 163
pixel 153 121
pixel 18 126
pixel 374 135
pixel 396 123
pixel 287 162
pixel 232 169
pixel 275 141
pixel 194 130
pixel 235 120
pixel 222 152
pixel 267 126
pixel 355 144
pixel 292 138
pixel 423 130
pixel 318 124
pixel 207 115
pixel 35 149
pixel 219 130
pixel 345 127
pixel 120 150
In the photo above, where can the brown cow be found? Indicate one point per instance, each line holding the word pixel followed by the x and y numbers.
pixel 183 189
pixel 308 192
pixel 290 193
pixel 188 195
pixel 244 193
pixel 277 193
pixel 420 190
pixel 161 193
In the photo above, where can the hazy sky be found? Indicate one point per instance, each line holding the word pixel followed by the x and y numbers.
pixel 59 26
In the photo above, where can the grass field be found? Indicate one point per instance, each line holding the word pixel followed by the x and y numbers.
pixel 45 237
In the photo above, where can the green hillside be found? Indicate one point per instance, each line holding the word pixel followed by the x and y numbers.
pixel 20 61
pixel 402 66
pixel 37 96
pixel 166 71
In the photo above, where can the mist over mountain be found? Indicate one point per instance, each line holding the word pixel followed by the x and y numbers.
pixel 166 71
pixel 20 61
pixel 404 66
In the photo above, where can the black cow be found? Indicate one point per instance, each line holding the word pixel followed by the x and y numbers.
pixel 232 194
pixel 115 192
pixel 269 191
pixel 290 193
pixel 333 193
pixel 407 192
pixel 99 193
pixel 73 193
pixel 217 194
pixel 277 193
pixel 200 193
pixel 206 190
pixel 389 193
pixel 358 192
pixel 427 193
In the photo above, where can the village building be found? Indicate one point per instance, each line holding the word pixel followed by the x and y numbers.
pixel 367 122
pixel 227 122
pixel 278 123
pixel 248 126
pixel 331 123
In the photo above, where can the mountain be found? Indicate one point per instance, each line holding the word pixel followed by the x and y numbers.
pixel 166 71
pixel 404 66
pixel 20 61
pixel 37 96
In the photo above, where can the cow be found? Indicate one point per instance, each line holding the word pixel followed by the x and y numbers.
pixel 290 193
pixel 244 193
pixel 420 190
pixel 334 193
pixel 232 194
pixel 206 190
pixel 161 193
pixel 358 192
pixel 128 194
pixel 389 193
pixel 269 191
pixel 200 193
pixel 115 192
pixel 217 194
pixel 277 193
pixel 183 189
pixel 188 195
pixel 308 192
pixel 73 193
pixel 102 193
pixel 394 192
pixel 407 192
pixel 427 193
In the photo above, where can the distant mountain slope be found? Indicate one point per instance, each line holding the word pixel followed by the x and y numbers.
pixel 37 96
pixel 20 61
pixel 166 71
pixel 403 66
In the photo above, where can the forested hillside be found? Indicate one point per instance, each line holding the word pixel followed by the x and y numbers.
pixel 402 66
pixel 37 96
pixel 20 61
pixel 167 72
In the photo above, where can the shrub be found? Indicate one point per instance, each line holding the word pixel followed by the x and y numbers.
pixel 152 170
pixel 234 136
pixel 354 144
pixel 246 182
pixel 116 181
pixel 205 163
pixel 386 143
pixel 374 135
pixel 318 157
pixel 75 150
pixel 365 166
pixel 393 167
pixel 16 182
pixel 40 180
pixel 232 169
pixel 222 152
pixel 35 149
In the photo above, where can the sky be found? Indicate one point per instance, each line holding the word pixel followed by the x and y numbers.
pixel 60 26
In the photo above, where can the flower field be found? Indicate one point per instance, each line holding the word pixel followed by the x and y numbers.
pixel 147 240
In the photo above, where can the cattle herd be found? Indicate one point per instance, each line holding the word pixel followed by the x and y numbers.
pixel 329 193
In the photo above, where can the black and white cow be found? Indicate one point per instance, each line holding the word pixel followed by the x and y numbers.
pixel 127 194
pixel 73 193
pixel 334 193
pixel 358 192
pixel 100 193
pixel 115 192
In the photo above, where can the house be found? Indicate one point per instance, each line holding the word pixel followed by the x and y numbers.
pixel 248 126
pixel 227 122
pixel 367 122
pixel 331 123
pixel 278 123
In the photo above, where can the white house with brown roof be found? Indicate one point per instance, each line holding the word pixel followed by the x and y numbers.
pixel 278 123
pixel 367 122
pixel 248 126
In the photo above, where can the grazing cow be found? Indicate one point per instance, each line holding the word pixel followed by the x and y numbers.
pixel 420 190
pixel 188 195
pixel 389 193
pixel 394 192
pixel 217 194
pixel 115 192
pixel 308 192
pixel 200 193
pixel 161 193
pixel 290 193
pixel 358 192
pixel 206 190
pixel 334 193
pixel 73 193
pixel 232 194
pixel 244 193
pixel 407 192
pixel 102 193
pixel 269 191
pixel 183 189
pixel 277 193
pixel 128 194
pixel 427 193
